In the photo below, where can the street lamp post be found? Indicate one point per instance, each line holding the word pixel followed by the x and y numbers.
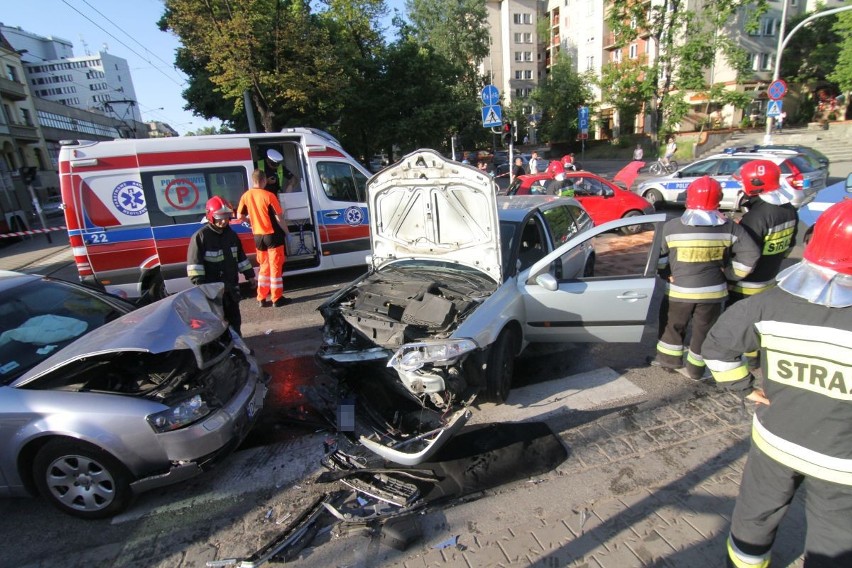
pixel 782 43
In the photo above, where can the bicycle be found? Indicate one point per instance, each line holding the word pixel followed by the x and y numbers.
pixel 658 167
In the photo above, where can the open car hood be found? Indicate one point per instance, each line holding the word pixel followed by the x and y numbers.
pixel 429 207
pixel 186 320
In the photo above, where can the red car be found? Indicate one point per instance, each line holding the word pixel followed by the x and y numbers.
pixel 602 199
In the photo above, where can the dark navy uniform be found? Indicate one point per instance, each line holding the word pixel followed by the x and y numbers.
pixel 215 256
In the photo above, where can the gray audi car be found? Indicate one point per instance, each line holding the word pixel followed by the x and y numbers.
pixel 100 401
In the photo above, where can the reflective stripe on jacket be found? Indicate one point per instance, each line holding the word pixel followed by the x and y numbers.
pixel 806 357
pixel 696 257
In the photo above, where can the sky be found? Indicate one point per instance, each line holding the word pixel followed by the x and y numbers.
pixel 129 29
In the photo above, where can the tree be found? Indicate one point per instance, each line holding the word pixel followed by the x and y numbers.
pixel 842 72
pixel 562 92
pixel 456 31
pixel 277 50
pixel 811 53
pixel 687 42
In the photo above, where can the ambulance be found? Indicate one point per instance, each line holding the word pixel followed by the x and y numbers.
pixel 132 205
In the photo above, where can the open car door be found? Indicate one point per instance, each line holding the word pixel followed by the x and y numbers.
pixel 611 304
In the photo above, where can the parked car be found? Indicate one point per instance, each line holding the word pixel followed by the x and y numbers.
pixel 100 401
pixel 799 179
pixel 603 200
pixel 832 194
pixel 52 206
pixel 459 283
pixel 815 157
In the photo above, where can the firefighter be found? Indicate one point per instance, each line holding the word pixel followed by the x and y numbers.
pixel 216 255
pixel 698 249
pixel 771 220
pixel 558 186
pixel 270 234
pixel 802 428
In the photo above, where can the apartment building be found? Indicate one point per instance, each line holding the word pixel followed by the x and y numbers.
pixel 21 146
pixel 578 30
pixel 95 82
pixel 516 64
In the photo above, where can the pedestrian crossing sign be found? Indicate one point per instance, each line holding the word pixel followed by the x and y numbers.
pixel 773 108
pixel 492 115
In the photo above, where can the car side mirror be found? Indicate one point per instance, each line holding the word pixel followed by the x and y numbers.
pixel 849 183
pixel 547 281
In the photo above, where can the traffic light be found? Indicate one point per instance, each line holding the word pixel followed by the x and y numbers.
pixel 28 174
pixel 508 134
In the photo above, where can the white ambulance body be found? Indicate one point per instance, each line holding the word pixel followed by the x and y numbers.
pixel 132 205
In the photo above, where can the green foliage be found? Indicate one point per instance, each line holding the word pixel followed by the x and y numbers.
pixel 842 72
pixel 812 51
pixel 559 97
pixel 687 42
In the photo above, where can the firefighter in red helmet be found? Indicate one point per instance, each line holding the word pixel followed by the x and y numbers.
pixel 216 255
pixel 698 249
pixel 802 429
pixel 558 185
pixel 771 220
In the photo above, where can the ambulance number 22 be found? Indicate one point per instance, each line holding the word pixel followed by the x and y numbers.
pixel 98 238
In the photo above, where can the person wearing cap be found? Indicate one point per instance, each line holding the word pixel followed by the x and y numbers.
pixel 802 427
pixel 215 254
pixel 772 222
pixel 568 162
pixel 697 251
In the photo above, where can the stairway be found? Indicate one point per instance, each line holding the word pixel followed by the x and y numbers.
pixel 834 142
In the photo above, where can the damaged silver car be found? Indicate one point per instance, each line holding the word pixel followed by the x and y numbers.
pixel 100 401
pixel 459 283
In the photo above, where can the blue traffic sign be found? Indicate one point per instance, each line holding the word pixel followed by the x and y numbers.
pixel 492 115
pixel 490 95
pixel 773 108
pixel 777 89
pixel 583 117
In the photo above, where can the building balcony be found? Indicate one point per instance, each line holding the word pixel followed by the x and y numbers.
pixel 24 133
pixel 12 89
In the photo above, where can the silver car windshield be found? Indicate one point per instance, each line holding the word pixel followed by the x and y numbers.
pixel 41 317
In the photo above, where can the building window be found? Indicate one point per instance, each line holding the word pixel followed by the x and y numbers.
pixel 634 51
pixel 765 61
pixel 528 74
pixel 27 117
pixel 519 74
pixel 590 63
pixel 615 56
pixel 525 18
pixel 11 73
pixel 519 56
pixel 767 26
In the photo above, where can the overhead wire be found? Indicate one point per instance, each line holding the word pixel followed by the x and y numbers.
pixel 143 46
pixel 122 43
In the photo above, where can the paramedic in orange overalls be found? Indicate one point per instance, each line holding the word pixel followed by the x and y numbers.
pixel 270 235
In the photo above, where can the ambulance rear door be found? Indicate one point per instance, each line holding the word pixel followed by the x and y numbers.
pixel 107 216
pixel 340 201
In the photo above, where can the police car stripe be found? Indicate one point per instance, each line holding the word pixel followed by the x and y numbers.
pixel 800 458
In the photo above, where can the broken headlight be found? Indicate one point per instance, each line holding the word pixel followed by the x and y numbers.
pixel 181 414
pixel 413 356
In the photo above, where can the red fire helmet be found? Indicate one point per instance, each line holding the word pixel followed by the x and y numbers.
pixel 704 194
pixel 831 243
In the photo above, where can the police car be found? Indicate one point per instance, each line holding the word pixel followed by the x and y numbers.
pixel 829 196
pixel 799 178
